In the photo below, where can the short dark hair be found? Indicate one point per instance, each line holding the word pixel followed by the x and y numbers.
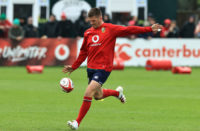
pixel 94 12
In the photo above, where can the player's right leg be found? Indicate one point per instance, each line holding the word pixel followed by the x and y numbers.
pixel 73 124
pixel 89 93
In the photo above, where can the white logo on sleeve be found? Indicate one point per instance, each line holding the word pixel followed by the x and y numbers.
pixel 95 38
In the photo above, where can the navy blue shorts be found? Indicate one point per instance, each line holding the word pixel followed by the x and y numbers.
pixel 97 75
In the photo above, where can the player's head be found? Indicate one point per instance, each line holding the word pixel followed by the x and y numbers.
pixel 95 17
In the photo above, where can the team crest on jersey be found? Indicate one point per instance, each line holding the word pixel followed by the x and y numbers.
pixel 103 29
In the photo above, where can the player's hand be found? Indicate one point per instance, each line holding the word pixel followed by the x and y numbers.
pixel 68 69
pixel 156 28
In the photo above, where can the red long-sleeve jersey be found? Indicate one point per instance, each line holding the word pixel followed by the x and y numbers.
pixel 98 45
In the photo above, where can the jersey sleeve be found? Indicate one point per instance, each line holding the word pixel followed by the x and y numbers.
pixel 120 31
pixel 82 55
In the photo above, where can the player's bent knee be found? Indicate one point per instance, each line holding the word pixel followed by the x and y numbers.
pixel 92 88
pixel 98 96
pixel 90 92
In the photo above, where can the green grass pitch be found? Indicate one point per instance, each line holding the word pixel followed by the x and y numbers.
pixel 156 101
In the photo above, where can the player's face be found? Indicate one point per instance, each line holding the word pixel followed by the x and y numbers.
pixel 95 21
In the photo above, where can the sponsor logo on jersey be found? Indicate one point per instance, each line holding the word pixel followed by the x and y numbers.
pixel 95 38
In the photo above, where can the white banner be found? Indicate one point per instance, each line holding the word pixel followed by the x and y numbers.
pixel 141 3
pixel 101 3
pixel 43 2
pixel 182 52
pixel 4 2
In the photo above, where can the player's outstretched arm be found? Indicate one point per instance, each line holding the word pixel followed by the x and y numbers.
pixel 81 57
pixel 121 31
pixel 68 69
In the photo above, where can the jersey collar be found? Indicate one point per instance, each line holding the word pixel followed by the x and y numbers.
pixel 98 27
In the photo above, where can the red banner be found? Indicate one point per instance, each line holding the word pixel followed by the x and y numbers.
pixel 38 52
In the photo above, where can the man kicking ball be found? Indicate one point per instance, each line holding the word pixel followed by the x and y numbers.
pixel 98 46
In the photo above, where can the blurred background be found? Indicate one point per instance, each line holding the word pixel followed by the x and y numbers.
pixel 159 72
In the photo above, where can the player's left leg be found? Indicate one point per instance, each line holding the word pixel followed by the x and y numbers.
pixel 104 93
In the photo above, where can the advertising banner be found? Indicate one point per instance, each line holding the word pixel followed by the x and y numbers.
pixel 182 52
pixel 38 52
